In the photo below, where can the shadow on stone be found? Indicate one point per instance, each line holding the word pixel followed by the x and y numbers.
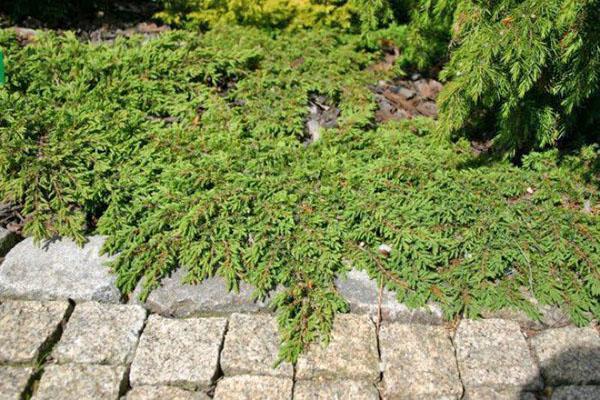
pixel 573 374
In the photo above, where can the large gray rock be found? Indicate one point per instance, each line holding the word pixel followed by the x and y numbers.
pixel 362 294
pixel 27 327
pixel 209 298
pixel 576 393
pixel 568 356
pixel 249 387
pixel 251 347
pixel 81 381
pixel 343 389
pixel 99 333
pixel 493 353
pixel 181 352
pixel 351 353
pixel 7 240
pixel 59 269
pixel 418 362
pixel 13 382
pixel 164 393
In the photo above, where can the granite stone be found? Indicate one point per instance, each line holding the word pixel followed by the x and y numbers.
pixel 351 353
pixel 164 393
pixel 208 298
pixel 13 381
pixel 493 353
pixel 335 389
pixel 252 346
pixel 99 333
pixel 362 294
pixel 569 355
pixel 418 362
pixel 182 352
pixel 58 269
pixel 26 327
pixel 576 393
pixel 81 381
pixel 251 387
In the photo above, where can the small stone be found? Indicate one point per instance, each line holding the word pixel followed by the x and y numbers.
pixel 342 389
pixel 209 298
pixel 418 362
pixel 249 387
pixel 27 326
pixel 13 382
pixel 483 393
pixel 493 353
pixel 362 294
pixel 181 353
pixel 101 334
pixel 59 269
pixel 568 356
pixel 164 393
pixel 251 347
pixel 351 353
pixel 81 381
pixel 576 393
pixel 8 240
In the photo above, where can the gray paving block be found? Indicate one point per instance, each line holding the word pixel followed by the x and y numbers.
pixel 418 362
pixel 81 381
pixel 568 356
pixel 335 389
pixel 251 387
pixel 13 381
pixel 252 347
pixel 26 327
pixel 493 353
pixel 178 352
pixel 576 393
pixel 164 393
pixel 99 333
pixel 351 353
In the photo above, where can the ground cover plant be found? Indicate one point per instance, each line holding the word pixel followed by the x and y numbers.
pixel 189 151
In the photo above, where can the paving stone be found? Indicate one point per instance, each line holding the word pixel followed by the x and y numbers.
pixel 418 362
pixel 59 269
pixel 100 333
pixel 181 353
pixel 8 240
pixel 493 353
pixel 568 355
pixel 252 346
pixel 26 326
pixel 209 298
pixel 483 393
pixel 250 387
pixel 351 353
pixel 13 382
pixel 81 381
pixel 164 393
pixel 338 389
pixel 576 393
pixel 362 294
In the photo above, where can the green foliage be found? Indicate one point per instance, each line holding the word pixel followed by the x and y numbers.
pixel 186 150
pixel 291 14
pixel 532 66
